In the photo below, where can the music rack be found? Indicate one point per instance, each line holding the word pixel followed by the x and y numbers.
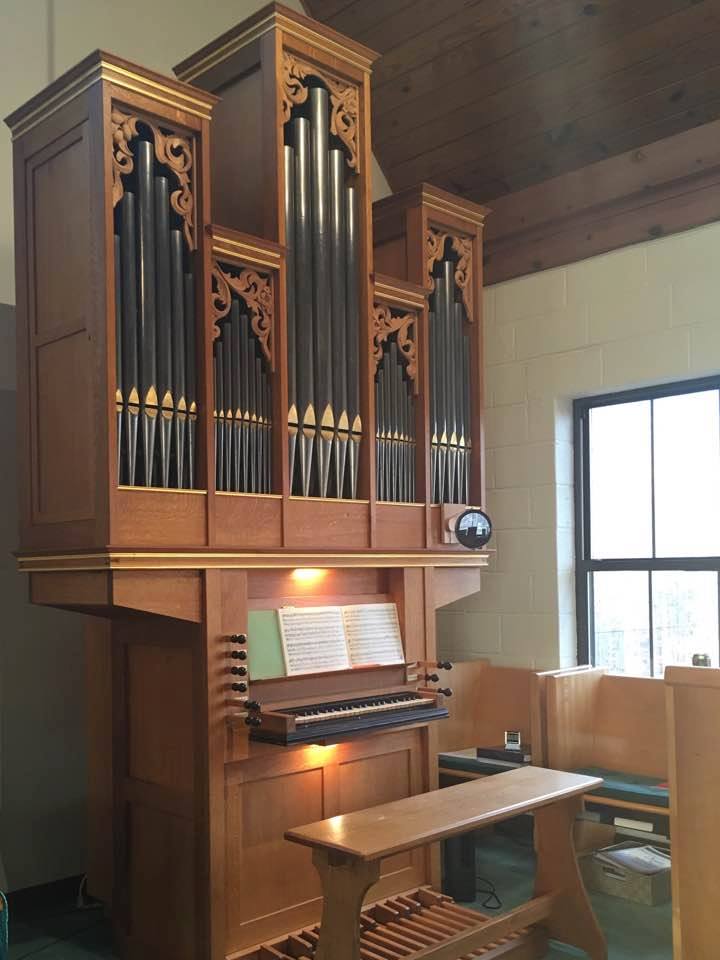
pixel 162 487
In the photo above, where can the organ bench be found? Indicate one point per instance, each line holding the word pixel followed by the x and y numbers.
pixel 347 851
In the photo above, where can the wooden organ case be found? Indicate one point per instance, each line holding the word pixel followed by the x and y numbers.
pixel 224 411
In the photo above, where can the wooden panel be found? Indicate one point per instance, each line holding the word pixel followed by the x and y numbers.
pixel 237 200
pixel 668 186
pixel 327 585
pixel 170 593
pixel 330 524
pixel 399 526
pixel 81 590
pixel 452 585
pixel 158 518
pixel 61 239
pixel 571 718
pixel 256 522
pixel 373 780
pixel 100 807
pixel 272 886
pixel 160 715
pixel 486 701
pixel 162 903
pixel 63 431
pixel 390 257
pixel 629 727
pixel 693 703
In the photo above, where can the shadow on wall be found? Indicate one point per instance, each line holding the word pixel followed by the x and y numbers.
pixel 42 701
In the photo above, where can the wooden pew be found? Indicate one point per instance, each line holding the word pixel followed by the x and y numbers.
pixel 693 719
pixel 616 723
pixel 347 851
pixel 488 699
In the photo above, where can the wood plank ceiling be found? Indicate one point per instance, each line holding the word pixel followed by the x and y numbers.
pixel 486 97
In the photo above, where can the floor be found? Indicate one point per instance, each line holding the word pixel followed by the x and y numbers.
pixel 52 928
pixel 633 931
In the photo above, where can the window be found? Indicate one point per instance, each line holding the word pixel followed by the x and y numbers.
pixel 647 526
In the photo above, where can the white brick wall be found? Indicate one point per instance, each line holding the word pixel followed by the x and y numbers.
pixel 642 315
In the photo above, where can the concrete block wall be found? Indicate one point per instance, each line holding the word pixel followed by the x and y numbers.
pixel 646 314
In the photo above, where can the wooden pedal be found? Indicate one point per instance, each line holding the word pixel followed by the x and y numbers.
pixel 400 927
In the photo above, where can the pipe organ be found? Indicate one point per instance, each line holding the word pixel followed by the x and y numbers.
pixel 225 411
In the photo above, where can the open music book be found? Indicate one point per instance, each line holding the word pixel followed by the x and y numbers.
pixel 318 639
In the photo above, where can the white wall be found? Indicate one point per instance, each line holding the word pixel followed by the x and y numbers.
pixel 42 753
pixel 642 315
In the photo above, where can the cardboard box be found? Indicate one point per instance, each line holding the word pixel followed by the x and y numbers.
pixel 618 881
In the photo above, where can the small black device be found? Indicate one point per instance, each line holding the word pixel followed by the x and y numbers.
pixel 473 529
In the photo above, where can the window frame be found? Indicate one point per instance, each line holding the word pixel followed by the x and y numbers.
pixel 585 566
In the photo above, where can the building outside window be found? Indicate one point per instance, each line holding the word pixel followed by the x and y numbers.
pixel 647 526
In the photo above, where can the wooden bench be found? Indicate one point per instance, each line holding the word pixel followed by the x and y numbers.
pixel 347 851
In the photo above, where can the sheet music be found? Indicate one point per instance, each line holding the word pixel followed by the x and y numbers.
pixel 373 634
pixel 313 639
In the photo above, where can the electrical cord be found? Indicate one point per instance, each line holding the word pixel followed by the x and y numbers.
pixel 492 901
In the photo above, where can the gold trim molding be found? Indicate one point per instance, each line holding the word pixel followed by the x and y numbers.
pixel 233 560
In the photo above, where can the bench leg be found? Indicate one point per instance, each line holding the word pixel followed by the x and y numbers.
pixel 572 920
pixel 345 881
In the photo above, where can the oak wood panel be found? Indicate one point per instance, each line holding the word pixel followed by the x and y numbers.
pixel 271 884
pixel 327 525
pixel 98 671
pixel 452 585
pixel 159 691
pixel 693 702
pixel 169 593
pixel 152 517
pixel 87 590
pixel 395 523
pixel 596 719
pixel 259 519
pixel 329 584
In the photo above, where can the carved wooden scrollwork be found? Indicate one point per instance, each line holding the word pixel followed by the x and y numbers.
pixel 384 324
pixel 344 101
pixel 256 290
pixel 170 149
pixel 462 246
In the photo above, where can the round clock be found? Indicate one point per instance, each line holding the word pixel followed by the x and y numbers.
pixel 473 529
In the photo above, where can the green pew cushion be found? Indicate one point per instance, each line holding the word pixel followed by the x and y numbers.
pixel 630 787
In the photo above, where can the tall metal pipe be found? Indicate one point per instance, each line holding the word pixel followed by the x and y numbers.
pixel 191 375
pixel 432 344
pixel 338 266
pixel 353 352
pixel 468 413
pixel 449 353
pixel 441 375
pixel 245 344
pixel 289 158
pixel 177 289
pixel 380 433
pixel 131 383
pixel 147 305
pixel 322 326
pixel 220 414
pixel 237 413
pixel 304 310
pixel 119 392
pixel 164 324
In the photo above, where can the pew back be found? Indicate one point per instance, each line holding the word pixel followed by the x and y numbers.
pixel 595 719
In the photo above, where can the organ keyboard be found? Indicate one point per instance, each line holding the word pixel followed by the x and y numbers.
pixel 317 722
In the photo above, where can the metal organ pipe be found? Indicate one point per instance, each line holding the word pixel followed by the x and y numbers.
pixel 322 261
pixel 155 330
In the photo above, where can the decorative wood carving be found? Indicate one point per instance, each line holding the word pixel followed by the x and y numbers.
pixel 384 324
pixel 344 101
pixel 170 149
pixel 256 289
pixel 462 246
